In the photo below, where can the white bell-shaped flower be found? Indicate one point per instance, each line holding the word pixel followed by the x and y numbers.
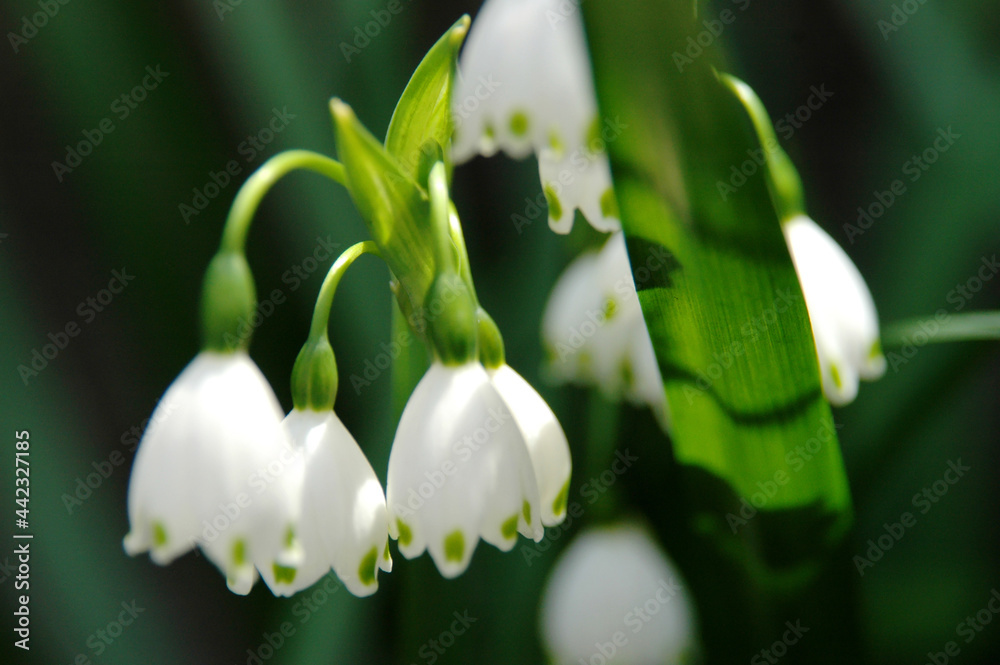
pixel 614 596
pixel 459 470
pixel 544 436
pixel 841 310
pixel 525 86
pixel 594 331
pixel 343 522
pixel 208 472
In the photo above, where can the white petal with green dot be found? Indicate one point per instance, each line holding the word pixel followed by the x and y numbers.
pixel 841 310
pixel 525 85
pixel 547 445
pixel 217 427
pixel 578 180
pixel 343 521
pixel 459 470
pixel 604 575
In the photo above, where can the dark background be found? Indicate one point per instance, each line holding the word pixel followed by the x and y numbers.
pixel 119 210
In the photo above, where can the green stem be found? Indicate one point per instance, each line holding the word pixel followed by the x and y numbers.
pixel 972 326
pixel 257 185
pixel 440 214
pixel 324 303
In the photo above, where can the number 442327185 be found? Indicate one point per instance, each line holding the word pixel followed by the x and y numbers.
pixel 22 481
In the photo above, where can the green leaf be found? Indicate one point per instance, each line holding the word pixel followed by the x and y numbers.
pixel 725 313
pixel 422 122
pixel 395 209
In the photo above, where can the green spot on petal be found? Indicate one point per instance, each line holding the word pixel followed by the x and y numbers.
pixel 405 534
pixel 519 123
pixel 289 537
pixel 239 552
pixel 835 375
pixel 609 204
pixel 555 207
pixel 526 511
pixel 283 574
pixel 385 552
pixel 159 534
pixel 559 503
pixel 593 138
pixel 556 143
pixel 454 546
pixel 610 307
pixel 489 133
pixel 875 352
pixel 509 528
pixel 628 375
pixel 369 564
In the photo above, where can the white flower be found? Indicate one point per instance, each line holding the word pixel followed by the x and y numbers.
pixel 841 310
pixel 596 587
pixel 343 522
pixel 204 472
pixel 544 437
pixel 526 86
pixel 459 470
pixel 594 330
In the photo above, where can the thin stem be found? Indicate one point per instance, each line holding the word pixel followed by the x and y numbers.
pixel 440 214
pixel 321 314
pixel 972 326
pixel 257 185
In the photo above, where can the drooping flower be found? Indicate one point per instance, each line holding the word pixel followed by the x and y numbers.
pixel 459 470
pixel 841 310
pixel 343 523
pixel 526 86
pixel 593 594
pixel 594 331
pixel 544 436
pixel 205 471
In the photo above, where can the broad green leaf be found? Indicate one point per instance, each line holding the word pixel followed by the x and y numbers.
pixel 423 115
pixel 726 314
pixel 393 206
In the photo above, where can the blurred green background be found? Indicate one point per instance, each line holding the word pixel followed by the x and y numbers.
pixel 228 69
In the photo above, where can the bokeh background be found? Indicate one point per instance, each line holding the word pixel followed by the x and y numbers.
pixel 230 68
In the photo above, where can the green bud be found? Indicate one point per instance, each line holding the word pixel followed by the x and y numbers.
pixel 314 377
pixel 491 351
pixel 451 314
pixel 228 300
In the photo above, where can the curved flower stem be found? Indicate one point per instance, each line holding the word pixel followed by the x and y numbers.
pixel 972 326
pixel 257 185
pixel 324 302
